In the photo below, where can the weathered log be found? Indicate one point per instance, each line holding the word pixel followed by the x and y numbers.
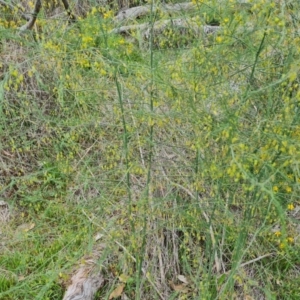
pixel 159 26
pixel 87 279
pixel 139 11
pixel 84 286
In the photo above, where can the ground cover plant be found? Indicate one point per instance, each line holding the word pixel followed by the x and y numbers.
pixel 168 165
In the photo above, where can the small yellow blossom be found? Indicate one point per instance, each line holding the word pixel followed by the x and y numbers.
pixel 288 189
pixel 103 72
pixel 108 14
pixel 277 233
pixel 291 207
pixel 15 73
pixel 93 11
pixel 219 39
pixel 275 189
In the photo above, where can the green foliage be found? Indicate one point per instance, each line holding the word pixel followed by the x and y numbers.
pixel 183 155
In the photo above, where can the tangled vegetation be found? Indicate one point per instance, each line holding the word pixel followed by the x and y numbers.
pixel 179 155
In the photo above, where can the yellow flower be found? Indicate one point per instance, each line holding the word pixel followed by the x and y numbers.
pixel 108 14
pixel 94 11
pixel 288 189
pixel 277 233
pixel 275 189
pixel 291 207
pixel 219 39
pixel 15 73
pixel 290 240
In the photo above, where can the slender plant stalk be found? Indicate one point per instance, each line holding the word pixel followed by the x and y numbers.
pixel 125 145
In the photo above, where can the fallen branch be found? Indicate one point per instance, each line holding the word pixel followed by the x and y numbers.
pixel 159 26
pixel 139 11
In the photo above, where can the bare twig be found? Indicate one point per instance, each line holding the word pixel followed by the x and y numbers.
pixel 253 261
pixel 256 259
